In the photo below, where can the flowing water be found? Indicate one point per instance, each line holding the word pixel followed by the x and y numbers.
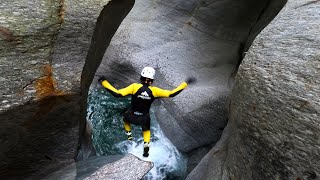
pixel 104 113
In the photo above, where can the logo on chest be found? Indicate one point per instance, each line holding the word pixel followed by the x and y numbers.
pixel 144 95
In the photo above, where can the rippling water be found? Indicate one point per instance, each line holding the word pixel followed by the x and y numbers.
pixel 104 112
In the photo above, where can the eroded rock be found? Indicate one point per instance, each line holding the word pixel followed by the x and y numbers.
pixel 273 132
pixel 43 45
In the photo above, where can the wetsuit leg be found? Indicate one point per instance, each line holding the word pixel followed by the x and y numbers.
pixel 127 120
pixel 146 128
pixel 127 126
pixel 146 136
pixel 146 144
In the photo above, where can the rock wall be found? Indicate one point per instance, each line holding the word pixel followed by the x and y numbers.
pixel 273 130
pixel 44 53
pixel 43 45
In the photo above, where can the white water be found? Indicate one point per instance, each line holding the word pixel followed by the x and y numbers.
pixel 166 158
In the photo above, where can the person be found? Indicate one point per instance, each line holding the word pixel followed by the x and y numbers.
pixel 143 94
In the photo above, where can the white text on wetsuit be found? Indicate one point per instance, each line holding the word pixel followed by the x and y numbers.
pixel 144 95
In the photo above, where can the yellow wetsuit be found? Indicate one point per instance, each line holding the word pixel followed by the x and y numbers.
pixel 142 97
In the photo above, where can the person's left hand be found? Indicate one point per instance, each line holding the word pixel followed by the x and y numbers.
pixel 102 78
pixel 191 80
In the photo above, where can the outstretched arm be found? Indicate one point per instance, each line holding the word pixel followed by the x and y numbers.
pixel 115 92
pixel 161 93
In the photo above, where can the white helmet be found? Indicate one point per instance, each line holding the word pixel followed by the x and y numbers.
pixel 148 72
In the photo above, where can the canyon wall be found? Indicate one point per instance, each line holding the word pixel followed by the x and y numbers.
pixel 51 51
pixel 274 113
pixel 43 48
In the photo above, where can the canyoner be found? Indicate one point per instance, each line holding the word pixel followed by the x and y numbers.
pixel 143 94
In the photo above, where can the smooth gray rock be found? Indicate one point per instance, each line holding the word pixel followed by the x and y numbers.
pixel 211 165
pixel 182 38
pixel 104 167
pixel 195 156
pixel 68 172
pixel 129 167
pixel 273 130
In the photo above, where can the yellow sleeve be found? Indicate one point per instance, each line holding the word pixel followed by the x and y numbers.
pixel 118 93
pixel 160 93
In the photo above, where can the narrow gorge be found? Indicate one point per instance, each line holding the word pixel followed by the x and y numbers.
pixel 253 114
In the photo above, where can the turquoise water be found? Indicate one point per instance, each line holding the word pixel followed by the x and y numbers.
pixel 104 113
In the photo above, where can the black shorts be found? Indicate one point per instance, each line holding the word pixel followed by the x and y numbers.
pixel 137 118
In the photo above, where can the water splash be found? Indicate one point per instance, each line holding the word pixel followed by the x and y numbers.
pixel 104 112
pixel 169 163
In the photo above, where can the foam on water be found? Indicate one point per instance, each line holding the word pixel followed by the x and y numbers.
pixel 168 162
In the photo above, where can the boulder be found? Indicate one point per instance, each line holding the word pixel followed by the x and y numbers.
pixel 104 167
pixel 129 167
pixel 274 117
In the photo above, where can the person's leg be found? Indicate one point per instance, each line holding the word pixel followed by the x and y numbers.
pixel 146 136
pixel 146 144
pixel 127 128
pixel 127 117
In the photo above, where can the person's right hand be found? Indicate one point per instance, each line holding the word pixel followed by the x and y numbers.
pixel 102 78
pixel 191 80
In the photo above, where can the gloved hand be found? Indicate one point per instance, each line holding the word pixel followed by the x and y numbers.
pixel 191 80
pixel 102 78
